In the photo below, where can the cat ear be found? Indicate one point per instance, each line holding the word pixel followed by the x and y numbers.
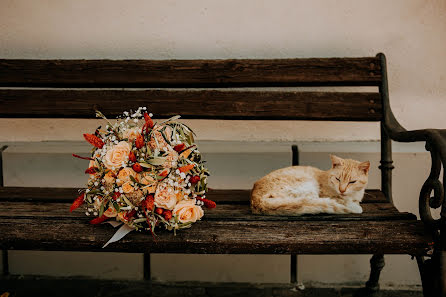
pixel 364 166
pixel 336 161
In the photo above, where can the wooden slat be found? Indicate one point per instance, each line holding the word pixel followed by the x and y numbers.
pixel 371 212
pixel 68 194
pixel 190 73
pixel 216 237
pixel 193 104
pixel 224 212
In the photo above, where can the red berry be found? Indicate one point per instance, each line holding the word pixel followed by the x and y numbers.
pixel 77 202
pixel 164 173
pixel 149 202
pixel 148 120
pixel 179 147
pixel 167 214
pixel 98 220
pixel 132 157
pixel 91 170
pixel 130 214
pixel 94 140
pixel 194 179
pixel 139 142
pixel 137 167
pixel 116 195
pixel 208 203
pixel 159 211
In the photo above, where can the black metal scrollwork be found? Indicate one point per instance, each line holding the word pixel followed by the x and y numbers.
pixel 432 184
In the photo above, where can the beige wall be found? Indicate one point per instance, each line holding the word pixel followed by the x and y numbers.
pixel 411 33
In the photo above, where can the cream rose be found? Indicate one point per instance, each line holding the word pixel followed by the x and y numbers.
pixel 116 155
pixel 165 196
pixel 187 211
pixel 124 175
pixel 130 134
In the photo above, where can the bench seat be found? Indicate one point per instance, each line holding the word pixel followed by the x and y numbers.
pixel 38 219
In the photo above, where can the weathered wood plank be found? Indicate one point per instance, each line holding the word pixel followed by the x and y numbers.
pixel 69 194
pixel 402 237
pixel 194 104
pixel 190 73
pixel 223 212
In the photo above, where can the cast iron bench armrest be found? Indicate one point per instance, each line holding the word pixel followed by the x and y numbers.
pixel 435 143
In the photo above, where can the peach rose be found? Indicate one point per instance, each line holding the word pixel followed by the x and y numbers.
pixel 187 211
pixel 165 196
pixel 130 134
pixel 171 159
pixel 109 177
pixel 146 178
pixel 163 145
pixel 128 188
pixel 116 155
pixel 124 175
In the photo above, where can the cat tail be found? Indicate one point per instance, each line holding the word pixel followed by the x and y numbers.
pixel 299 206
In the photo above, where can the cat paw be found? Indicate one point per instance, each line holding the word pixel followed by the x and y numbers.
pixel 355 208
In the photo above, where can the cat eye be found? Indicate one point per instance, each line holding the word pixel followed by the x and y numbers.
pixel 338 179
pixel 352 182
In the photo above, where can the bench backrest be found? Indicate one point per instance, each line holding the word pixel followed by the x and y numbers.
pixel 51 75
pixel 75 88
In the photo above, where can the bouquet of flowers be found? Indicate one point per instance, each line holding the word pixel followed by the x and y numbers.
pixel 144 174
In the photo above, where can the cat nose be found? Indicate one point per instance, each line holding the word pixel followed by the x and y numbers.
pixel 342 191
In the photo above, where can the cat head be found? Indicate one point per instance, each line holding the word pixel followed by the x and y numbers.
pixel 348 176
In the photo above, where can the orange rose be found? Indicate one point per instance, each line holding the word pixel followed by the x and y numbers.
pixel 187 211
pixel 128 188
pixel 124 175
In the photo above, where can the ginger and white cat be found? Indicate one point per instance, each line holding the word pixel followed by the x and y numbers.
pixel 300 190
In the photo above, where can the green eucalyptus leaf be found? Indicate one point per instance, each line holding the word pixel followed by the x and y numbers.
pixel 133 179
pixel 101 209
pixel 157 161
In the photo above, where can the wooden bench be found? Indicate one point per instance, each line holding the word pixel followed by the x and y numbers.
pixel 38 218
